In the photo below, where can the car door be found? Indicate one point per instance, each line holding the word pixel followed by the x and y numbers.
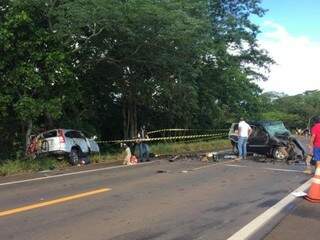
pixel 78 139
pixel 258 141
pixel 82 141
pixel 94 147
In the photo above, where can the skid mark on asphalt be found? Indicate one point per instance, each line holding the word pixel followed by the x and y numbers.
pixel 140 234
pixel 277 192
pixel 52 202
pixel 224 207
pixel 268 203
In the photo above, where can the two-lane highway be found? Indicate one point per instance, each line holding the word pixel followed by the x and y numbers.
pixel 186 199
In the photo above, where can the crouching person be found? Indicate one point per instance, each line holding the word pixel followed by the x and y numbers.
pixel 129 159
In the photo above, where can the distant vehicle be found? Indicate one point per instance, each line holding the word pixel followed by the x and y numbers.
pixel 269 138
pixel 63 142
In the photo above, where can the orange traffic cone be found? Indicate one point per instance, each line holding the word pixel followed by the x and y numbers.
pixel 314 190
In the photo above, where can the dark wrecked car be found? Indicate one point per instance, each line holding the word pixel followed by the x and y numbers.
pixel 270 138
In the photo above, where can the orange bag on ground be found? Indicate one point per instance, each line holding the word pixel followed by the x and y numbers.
pixel 133 160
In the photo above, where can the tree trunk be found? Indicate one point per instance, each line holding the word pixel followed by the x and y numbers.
pixel 129 113
pixel 50 121
pixel 124 120
pixel 135 120
pixel 28 133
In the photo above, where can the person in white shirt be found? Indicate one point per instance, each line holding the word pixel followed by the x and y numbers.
pixel 244 131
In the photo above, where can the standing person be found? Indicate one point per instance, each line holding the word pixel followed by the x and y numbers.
pixel 244 131
pixel 143 147
pixel 314 143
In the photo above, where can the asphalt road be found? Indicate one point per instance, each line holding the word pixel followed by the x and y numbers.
pixel 302 223
pixel 186 199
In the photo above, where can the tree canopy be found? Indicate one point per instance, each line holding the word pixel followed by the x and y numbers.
pixel 296 111
pixel 108 67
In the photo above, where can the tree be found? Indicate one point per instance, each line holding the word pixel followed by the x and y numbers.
pixel 111 66
pixel 227 89
pixel 35 70
pixel 296 110
pixel 158 54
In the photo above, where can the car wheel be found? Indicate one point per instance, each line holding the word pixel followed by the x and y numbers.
pixel 74 156
pixel 279 154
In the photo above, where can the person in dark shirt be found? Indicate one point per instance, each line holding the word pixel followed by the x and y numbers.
pixel 144 150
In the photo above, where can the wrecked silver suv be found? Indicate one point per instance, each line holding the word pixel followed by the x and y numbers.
pixel 63 142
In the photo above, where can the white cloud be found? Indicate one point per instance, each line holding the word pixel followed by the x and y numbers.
pixel 297 68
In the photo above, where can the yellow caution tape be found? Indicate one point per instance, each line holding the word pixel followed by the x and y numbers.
pixel 182 130
pixel 164 138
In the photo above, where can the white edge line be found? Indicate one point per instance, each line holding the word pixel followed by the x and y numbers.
pixel 283 170
pixel 73 173
pixel 234 165
pixel 80 172
pixel 251 228
pixel 271 169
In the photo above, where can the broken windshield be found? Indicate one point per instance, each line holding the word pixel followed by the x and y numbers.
pixel 277 129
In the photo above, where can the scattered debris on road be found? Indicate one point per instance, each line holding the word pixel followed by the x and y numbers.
pixel 174 158
pixel 230 156
pixel 162 171
pixel 299 194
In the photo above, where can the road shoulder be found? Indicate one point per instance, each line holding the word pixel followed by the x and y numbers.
pixel 302 223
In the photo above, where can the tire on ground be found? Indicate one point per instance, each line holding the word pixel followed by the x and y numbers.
pixel 74 156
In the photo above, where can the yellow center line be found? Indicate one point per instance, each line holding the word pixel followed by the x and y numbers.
pixel 52 202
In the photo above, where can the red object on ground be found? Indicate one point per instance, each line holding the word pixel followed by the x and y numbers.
pixel 314 190
pixel 133 160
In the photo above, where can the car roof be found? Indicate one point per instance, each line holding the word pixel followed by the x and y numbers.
pixel 260 123
pixel 265 123
pixel 64 129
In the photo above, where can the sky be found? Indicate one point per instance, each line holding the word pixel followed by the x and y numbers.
pixel 290 33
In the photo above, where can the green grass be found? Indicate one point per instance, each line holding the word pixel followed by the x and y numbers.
pixel 169 148
pixel 11 167
pixel 180 148
pixel 108 158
